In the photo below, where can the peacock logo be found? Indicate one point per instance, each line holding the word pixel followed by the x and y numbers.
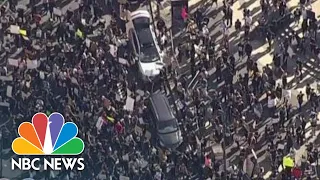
pixel 48 136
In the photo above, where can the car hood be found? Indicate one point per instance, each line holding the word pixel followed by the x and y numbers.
pixel 150 69
pixel 171 140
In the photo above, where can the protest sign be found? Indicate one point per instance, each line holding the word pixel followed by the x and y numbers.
pixel 57 12
pixel 148 135
pixel 9 91
pixel 4 104
pixel 6 78
pixel 99 123
pixel 32 64
pixel 288 162
pixel 118 98
pixel 123 61
pixel 124 178
pixel 41 74
pixel 125 157
pixel 23 32
pixel 25 95
pixel 129 104
pixel 128 92
pixel 144 163
pixel 113 50
pixel 290 52
pixel 140 92
pixel 13 62
pixel 88 42
pixel 21 6
pixel 79 33
pixel 14 29
pixel 138 130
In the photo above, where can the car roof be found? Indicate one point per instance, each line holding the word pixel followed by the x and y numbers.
pixel 145 36
pixel 161 106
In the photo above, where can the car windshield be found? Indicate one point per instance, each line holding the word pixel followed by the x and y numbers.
pixel 165 127
pixel 149 53
pixel 141 23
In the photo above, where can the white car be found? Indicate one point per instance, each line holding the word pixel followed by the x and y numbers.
pixel 146 51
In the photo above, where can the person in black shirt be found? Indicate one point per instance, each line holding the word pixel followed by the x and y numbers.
pixel 161 25
pixel 248 50
pixel 237 25
pixel 198 16
pixel 284 81
pixel 308 91
pixel 304 26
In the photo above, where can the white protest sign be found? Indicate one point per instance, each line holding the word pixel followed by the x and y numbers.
pixel 124 178
pixel 138 130
pixel 6 78
pixel 99 123
pixel 4 104
pixel 21 6
pixel 88 42
pixel 74 81
pixel 125 157
pixel 57 12
pixel 41 74
pixel 129 104
pixel 25 95
pixel 128 92
pixel 118 98
pixel 9 91
pixel 13 62
pixel 290 52
pixel 83 21
pixel 272 102
pixel 148 135
pixel 39 34
pixel 113 50
pixel 141 120
pixel 143 163
pixel 179 104
pixel 281 146
pixel 76 91
pixel 138 97
pixel 140 92
pixel 14 29
pixel 123 61
pixel 32 64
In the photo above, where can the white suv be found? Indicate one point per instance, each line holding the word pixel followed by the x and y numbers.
pixel 144 43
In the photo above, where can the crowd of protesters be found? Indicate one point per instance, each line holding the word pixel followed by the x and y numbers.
pixel 78 73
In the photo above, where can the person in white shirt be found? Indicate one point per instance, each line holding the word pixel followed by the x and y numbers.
pixel 304 13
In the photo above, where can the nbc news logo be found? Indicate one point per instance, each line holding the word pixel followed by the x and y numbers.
pixel 50 137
